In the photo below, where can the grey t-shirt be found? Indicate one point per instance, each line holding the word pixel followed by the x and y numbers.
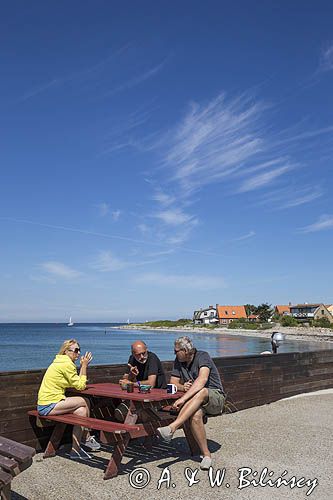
pixel 190 372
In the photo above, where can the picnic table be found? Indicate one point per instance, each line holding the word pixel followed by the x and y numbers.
pixel 14 458
pixel 143 418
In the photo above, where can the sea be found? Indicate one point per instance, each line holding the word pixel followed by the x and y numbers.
pixel 28 346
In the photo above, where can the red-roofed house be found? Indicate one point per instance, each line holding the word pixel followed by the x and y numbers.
pixel 227 314
pixel 282 310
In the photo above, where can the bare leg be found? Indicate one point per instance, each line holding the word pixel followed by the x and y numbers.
pixel 78 406
pixel 199 432
pixel 190 408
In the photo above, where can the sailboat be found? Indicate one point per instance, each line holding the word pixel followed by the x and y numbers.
pixel 70 322
pixel 128 321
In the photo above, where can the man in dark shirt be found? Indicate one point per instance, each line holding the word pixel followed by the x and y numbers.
pixel 144 367
pixel 196 375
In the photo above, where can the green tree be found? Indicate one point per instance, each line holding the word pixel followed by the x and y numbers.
pixel 264 311
pixel 250 309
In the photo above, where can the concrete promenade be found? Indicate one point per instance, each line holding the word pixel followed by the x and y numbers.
pixel 293 435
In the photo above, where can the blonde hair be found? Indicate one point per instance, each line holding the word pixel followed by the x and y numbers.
pixel 66 345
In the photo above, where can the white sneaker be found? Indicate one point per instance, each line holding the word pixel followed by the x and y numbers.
pixel 165 433
pixel 92 444
pixel 206 463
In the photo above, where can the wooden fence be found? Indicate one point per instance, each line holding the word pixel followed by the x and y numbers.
pixel 248 381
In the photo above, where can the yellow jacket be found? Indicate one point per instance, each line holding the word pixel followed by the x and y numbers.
pixel 59 376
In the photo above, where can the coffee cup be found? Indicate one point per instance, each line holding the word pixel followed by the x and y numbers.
pixel 171 389
pixel 130 387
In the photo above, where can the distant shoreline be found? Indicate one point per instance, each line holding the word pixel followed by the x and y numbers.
pixel 300 333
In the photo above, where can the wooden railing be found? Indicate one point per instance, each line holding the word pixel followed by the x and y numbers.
pixel 248 381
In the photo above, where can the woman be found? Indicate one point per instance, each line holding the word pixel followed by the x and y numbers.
pixel 59 376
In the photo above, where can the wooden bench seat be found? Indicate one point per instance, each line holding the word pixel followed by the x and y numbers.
pixel 114 433
pixel 90 423
pixel 14 458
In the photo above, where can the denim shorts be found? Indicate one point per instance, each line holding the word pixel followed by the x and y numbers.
pixel 45 409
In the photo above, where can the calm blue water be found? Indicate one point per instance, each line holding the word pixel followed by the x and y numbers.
pixel 30 346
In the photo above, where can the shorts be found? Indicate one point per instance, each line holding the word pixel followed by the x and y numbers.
pixel 45 409
pixel 215 403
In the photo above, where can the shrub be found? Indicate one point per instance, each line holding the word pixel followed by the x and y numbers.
pixel 289 321
pixel 266 326
pixel 242 323
pixel 170 323
pixel 322 323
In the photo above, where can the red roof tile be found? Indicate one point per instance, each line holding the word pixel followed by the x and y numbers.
pixel 231 312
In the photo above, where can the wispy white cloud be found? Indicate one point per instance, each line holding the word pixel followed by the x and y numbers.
pixel 258 181
pixel 163 198
pixel 290 197
pixel 80 75
pixel 324 222
pixel 115 214
pixel 39 89
pixel 194 281
pixel 59 270
pixel 215 141
pixel 246 236
pixel 326 59
pixel 103 209
pixel 147 243
pixel 106 261
pixel 175 217
pixel 138 79
pixel 230 139
pixel 144 228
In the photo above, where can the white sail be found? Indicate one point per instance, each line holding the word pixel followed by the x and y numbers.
pixel 70 322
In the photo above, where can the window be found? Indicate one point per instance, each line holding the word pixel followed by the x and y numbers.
pixel 226 312
pixel 233 312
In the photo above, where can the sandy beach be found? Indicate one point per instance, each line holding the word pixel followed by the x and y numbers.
pixel 297 333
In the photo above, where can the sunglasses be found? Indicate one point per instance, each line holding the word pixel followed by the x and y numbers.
pixel 76 350
pixel 177 350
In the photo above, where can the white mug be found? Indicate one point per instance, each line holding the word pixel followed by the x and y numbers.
pixel 171 388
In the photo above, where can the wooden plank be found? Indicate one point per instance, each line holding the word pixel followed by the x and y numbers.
pixel 91 423
pixel 17 451
pixel 5 478
pixel 9 465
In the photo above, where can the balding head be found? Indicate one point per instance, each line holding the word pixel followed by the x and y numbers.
pixel 139 351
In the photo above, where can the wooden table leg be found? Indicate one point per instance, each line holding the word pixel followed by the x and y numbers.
pixel 55 439
pixel 120 442
pixel 5 492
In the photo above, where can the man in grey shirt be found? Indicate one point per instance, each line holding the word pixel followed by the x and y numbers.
pixel 196 375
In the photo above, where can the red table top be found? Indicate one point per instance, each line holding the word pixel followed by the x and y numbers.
pixel 109 390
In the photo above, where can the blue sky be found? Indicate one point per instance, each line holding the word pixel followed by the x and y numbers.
pixel 160 157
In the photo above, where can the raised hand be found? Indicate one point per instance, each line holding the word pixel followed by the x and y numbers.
pixel 133 370
pixel 85 360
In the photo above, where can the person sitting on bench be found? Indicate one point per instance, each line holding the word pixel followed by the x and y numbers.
pixel 143 367
pixel 61 375
pixel 195 374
